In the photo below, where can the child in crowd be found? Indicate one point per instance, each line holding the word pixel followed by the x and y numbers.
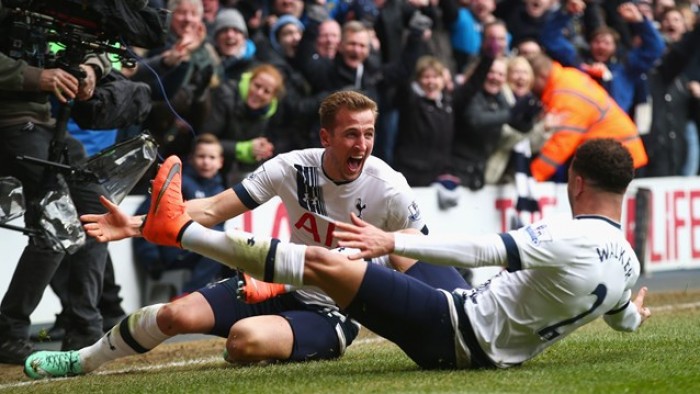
pixel 201 178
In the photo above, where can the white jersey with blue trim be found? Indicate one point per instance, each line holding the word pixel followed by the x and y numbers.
pixel 563 274
pixel 380 196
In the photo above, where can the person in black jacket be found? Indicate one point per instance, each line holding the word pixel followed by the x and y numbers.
pixel 483 117
pixel 298 110
pixel 28 128
pixel 240 117
pixel 426 124
pixel 665 142
pixel 357 67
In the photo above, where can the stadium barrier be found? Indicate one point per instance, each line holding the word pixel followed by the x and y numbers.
pixel 663 224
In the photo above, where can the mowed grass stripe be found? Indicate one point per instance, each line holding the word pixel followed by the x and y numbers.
pixel 661 357
pixel 161 366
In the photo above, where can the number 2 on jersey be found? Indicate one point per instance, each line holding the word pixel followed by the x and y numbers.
pixel 551 332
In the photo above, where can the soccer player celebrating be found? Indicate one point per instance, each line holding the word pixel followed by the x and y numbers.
pixel 561 273
pixel 317 187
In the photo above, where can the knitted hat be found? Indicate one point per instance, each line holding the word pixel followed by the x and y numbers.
pixel 230 18
pixel 282 21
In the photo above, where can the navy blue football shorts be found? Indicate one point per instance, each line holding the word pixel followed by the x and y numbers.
pixel 439 277
pixel 409 313
pixel 320 333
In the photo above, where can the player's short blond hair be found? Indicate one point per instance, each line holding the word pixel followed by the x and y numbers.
pixel 351 100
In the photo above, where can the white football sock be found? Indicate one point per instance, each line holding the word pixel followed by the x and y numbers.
pixel 138 334
pixel 289 264
pixel 209 243
pixel 239 249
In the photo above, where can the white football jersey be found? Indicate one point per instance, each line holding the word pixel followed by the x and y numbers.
pixel 380 196
pixel 565 273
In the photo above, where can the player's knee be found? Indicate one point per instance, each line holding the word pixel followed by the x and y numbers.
pixel 174 319
pixel 190 314
pixel 243 344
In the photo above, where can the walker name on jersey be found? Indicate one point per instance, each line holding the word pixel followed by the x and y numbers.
pixel 673 238
pixel 615 252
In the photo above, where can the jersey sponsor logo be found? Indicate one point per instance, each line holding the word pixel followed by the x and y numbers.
pixel 538 234
pixel 360 206
pixel 315 227
pixel 309 193
pixel 413 212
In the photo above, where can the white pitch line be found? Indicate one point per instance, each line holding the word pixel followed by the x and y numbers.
pixel 211 359
pixel 157 367
pixel 672 307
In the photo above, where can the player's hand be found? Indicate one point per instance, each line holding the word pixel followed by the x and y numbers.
pixel 644 311
pixel 371 241
pixel 59 82
pixel 111 226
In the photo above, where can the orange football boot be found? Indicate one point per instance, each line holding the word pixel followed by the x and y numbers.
pixel 252 291
pixel 166 219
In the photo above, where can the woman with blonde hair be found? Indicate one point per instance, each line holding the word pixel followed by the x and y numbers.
pixel 241 110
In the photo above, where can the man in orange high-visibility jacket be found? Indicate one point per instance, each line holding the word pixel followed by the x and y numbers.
pixel 583 110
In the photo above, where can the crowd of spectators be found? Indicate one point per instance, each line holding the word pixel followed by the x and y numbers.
pixel 451 77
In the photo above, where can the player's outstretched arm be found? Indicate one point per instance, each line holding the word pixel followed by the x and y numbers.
pixel 113 225
pixel 631 316
pixel 371 241
pixel 644 311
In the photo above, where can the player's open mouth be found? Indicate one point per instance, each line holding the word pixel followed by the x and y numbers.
pixel 354 163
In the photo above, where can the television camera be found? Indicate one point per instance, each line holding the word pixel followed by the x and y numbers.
pixel 80 28
pixel 83 27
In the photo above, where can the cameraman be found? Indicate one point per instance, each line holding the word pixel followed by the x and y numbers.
pixel 27 129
